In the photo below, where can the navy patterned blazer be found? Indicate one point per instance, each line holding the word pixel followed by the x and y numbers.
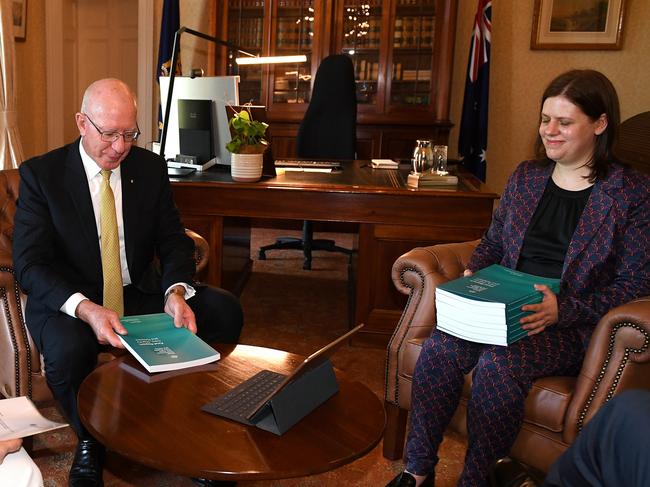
pixel 608 259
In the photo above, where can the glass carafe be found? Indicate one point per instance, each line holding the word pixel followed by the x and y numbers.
pixel 422 156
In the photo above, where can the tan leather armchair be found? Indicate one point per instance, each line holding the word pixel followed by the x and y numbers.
pixel 21 368
pixel 557 408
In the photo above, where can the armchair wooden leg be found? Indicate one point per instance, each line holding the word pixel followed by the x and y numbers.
pixel 395 431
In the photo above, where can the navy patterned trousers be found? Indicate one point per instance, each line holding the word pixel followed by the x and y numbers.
pixel 501 380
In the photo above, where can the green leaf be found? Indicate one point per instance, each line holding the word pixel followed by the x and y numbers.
pixel 245 132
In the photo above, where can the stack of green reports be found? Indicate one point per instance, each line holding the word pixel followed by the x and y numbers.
pixel 486 307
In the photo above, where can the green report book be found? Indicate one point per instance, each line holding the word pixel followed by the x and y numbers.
pixel 159 346
pixel 486 307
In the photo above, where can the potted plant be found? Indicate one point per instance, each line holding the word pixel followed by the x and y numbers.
pixel 247 145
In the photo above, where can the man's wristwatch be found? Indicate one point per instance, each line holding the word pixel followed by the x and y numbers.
pixel 180 290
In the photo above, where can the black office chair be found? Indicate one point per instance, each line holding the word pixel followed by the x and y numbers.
pixel 327 131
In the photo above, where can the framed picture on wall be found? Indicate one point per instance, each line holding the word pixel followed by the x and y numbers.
pixel 577 24
pixel 19 16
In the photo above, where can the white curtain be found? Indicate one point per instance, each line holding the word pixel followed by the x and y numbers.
pixel 11 150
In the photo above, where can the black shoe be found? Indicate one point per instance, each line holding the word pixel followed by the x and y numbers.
pixel 213 483
pixel 507 472
pixel 405 479
pixel 86 470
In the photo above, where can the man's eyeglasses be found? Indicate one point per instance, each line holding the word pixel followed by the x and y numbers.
pixel 113 135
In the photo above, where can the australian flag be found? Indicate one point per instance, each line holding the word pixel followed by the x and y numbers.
pixel 170 24
pixel 472 141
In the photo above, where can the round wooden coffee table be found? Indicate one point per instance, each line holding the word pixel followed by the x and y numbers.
pixel 157 420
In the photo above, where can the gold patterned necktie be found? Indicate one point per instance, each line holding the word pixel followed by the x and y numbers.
pixel 110 246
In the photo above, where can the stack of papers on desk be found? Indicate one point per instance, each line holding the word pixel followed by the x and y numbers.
pixel 302 165
pixel 384 164
pixel 424 180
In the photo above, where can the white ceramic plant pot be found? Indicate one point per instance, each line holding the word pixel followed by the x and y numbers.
pixel 246 168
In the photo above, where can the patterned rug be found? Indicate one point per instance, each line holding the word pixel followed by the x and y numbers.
pixel 288 308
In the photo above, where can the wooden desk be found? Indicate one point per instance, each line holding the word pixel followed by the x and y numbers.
pixel 392 219
pixel 157 420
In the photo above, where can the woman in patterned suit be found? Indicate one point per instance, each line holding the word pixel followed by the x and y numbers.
pixel 575 214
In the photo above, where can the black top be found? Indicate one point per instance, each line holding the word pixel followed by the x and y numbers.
pixel 550 230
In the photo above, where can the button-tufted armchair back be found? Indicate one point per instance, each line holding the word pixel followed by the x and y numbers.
pixel 20 362
pixel 9 180
pixel 21 371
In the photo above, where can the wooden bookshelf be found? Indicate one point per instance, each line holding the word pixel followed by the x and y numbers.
pixel 402 52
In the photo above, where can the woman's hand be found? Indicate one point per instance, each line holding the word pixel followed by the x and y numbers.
pixel 544 313
pixel 9 446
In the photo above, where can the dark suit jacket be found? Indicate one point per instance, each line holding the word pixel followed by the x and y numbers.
pixel 607 262
pixel 56 249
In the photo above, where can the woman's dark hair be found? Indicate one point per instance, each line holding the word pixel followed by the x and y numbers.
pixel 594 94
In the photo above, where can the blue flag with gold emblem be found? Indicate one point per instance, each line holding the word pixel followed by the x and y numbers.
pixel 168 27
pixel 472 140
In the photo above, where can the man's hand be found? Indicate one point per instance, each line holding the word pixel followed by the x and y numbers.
pixel 104 322
pixel 177 308
pixel 544 313
pixel 9 446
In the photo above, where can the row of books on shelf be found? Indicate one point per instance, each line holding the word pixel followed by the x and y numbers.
pixel 259 4
pixel 247 32
pixel 366 70
pixel 412 75
pixel 295 3
pixel 256 4
pixel 401 73
pixel 291 83
pixel 253 4
pixel 414 32
pixel 292 34
pixel 416 3
pixel 353 6
pixel 400 3
pixel 247 4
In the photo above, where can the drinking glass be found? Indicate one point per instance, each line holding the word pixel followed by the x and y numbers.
pixel 440 159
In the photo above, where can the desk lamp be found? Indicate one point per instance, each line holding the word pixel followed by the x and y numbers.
pixel 247 60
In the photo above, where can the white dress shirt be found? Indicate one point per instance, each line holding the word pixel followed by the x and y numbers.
pixel 94 177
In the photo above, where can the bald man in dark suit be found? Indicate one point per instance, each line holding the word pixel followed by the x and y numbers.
pixel 58 254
